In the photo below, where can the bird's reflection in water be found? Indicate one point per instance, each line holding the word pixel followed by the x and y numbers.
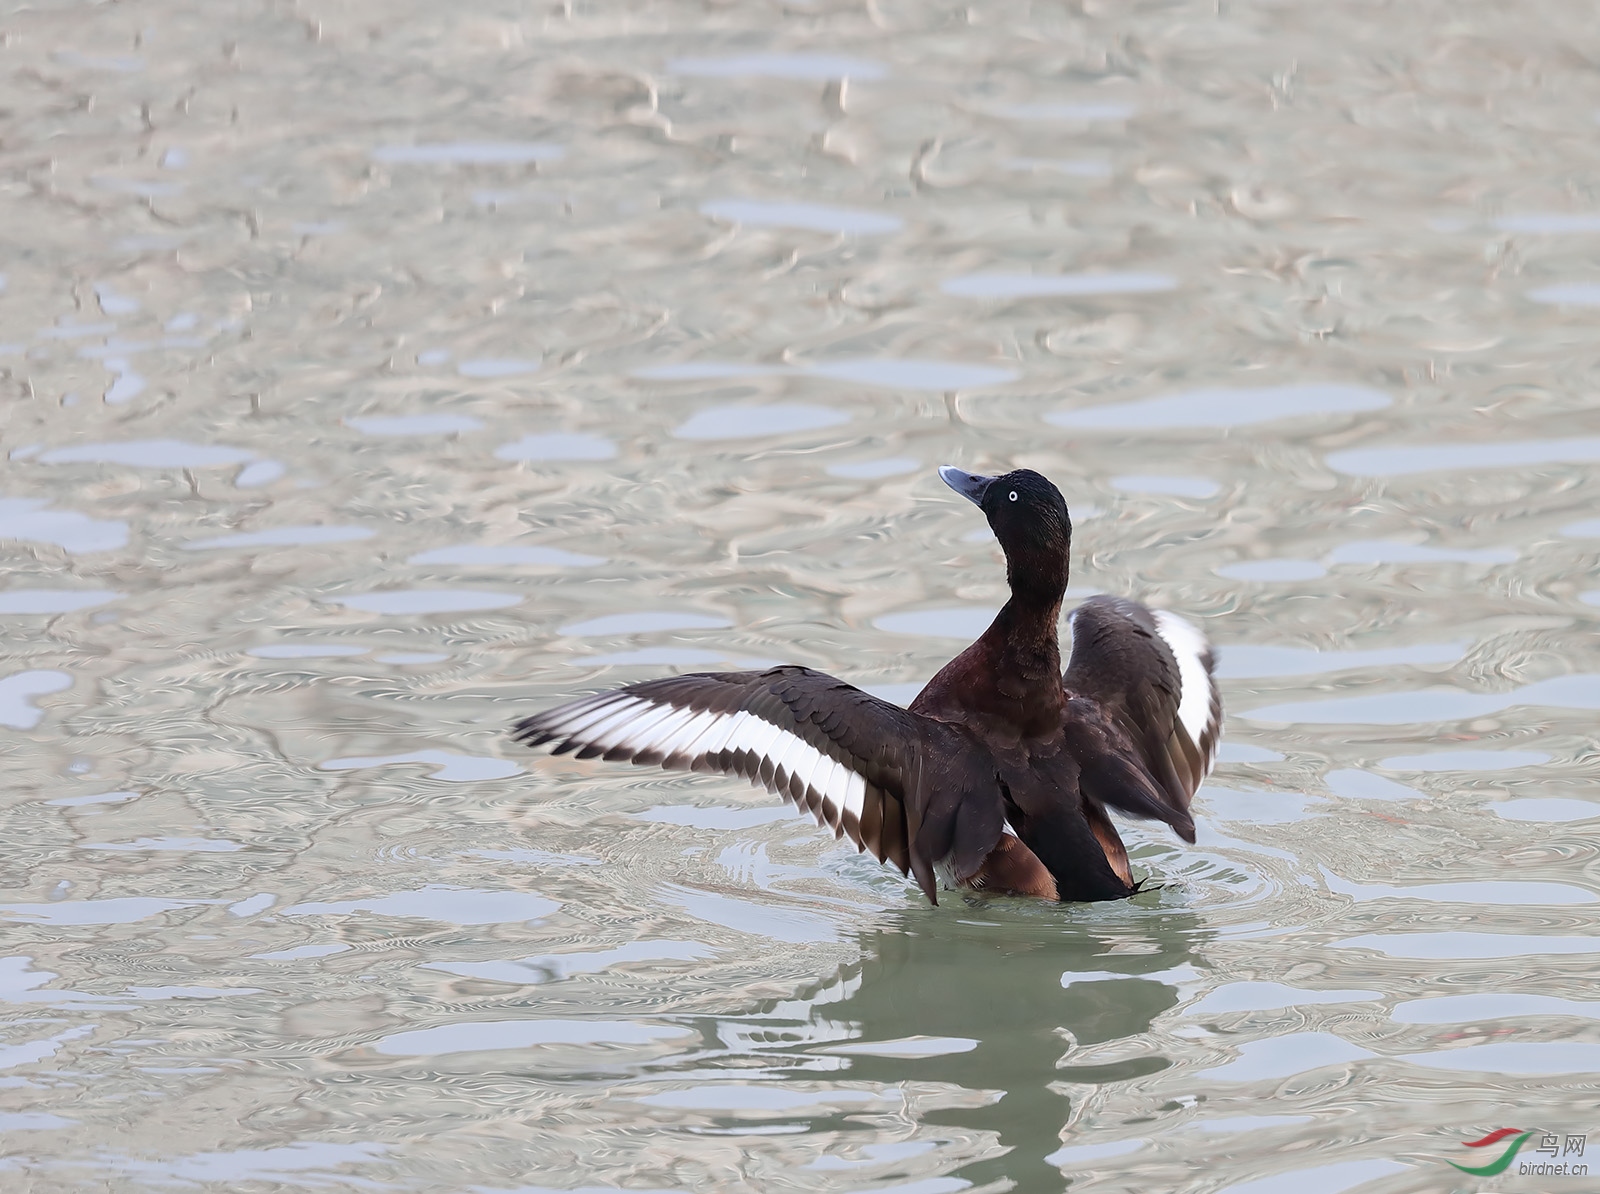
pixel 993 984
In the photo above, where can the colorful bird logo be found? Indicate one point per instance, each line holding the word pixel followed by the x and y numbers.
pixel 1500 1164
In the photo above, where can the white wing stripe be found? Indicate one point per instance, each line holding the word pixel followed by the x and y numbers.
pixel 717 726
pixel 681 732
pixel 664 729
pixel 839 788
pixel 829 781
pixel 581 710
pixel 759 738
pixel 838 785
pixel 812 771
pixel 636 734
pixel 676 732
pixel 593 715
pixel 828 814
pixel 613 717
pixel 718 742
pixel 788 752
pixel 855 795
pixel 796 762
pixel 809 767
pixel 1194 694
pixel 685 734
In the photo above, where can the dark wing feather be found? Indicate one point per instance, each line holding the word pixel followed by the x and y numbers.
pixel 898 784
pixel 1150 674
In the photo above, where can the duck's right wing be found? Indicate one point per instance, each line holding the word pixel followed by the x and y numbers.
pixel 1151 672
pixel 903 786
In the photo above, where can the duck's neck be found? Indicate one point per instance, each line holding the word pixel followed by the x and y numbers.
pixel 1025 633
pixel 1026 656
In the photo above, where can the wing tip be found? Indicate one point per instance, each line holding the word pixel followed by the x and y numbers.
pixel 524 726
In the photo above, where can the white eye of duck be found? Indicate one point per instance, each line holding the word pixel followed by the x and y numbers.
pixel 1013 495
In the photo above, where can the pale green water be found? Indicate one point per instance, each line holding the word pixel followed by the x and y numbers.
pixel 596 341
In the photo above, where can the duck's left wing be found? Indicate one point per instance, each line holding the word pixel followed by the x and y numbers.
pixel 1150 672
pixel 903 786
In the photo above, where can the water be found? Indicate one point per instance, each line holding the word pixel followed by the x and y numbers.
pixel 1031 286
pixel 378 373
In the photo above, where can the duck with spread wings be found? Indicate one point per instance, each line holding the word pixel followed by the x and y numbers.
pixel 998 776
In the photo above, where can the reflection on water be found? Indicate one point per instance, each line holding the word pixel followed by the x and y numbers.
pixel 1004 1067
pixel 1464 945
pixel 415 424
pixel 32 520
pixel 1272 570
pixel 149 453
pixel 1549 809
pixel 302 536
pixel 18 690
pixel 410 370
pixel 1266 996
pixel 436 902
pixel 452 768
pixel 961 623
pixel 468 153
pixel 815 217
pixel 1069 113
pixel 1285 1056
pixel 1074 167
pixel 1189 487
pixel 1496 1005
pixel 1006 286
pixel 1245 660
pixel 1386 551
pixel 1224 408
pixel 820 67
pixel 1363 785
pixel 1549 222
pixel 872 470
pixel 506 555
pixel 94 798
pixel 1571 294
pixel 499 1035
pixel 747 422
pixel 1507 1057
pixel 53 601
pixel 558 445
pixel 497 367
pixel 1436 704
pixel 1466 760
pixel 1388 462
pixel 305 651
pixel 642 623
pixel 912 374
pixel 427 601
pixel 1500 892
pixel 661 657
pixel 1261 808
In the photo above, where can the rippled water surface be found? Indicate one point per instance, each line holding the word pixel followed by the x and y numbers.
pixel 374 373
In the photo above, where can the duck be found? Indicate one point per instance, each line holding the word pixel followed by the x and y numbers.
pixel 998 778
